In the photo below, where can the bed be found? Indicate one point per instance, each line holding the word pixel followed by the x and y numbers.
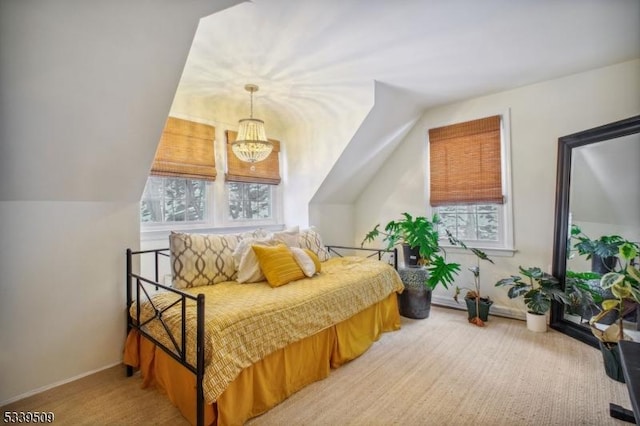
pixel 227 352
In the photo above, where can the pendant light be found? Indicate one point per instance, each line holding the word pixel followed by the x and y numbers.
pixel 251 144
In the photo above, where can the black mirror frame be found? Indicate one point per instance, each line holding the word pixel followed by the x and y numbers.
pixel 566 144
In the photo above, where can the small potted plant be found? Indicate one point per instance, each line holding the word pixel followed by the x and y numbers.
pixel 538 292
pixel 624 285
pixel 602 251
pixel 477 306
pixel 421 235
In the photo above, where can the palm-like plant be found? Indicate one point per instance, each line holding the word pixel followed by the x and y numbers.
pixel 422 233
pixel 605 246
pixel 538 291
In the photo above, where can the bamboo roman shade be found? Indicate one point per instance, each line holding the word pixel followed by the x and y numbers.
pixel 265 171
pixel 186 150
pixel 465 163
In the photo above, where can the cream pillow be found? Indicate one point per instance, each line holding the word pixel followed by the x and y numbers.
pixel 305 259
pixel 246 261
pixel 289 236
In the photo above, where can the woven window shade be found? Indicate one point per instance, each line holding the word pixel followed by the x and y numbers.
pixel 186 150
pixel 265 171
pixel 465 164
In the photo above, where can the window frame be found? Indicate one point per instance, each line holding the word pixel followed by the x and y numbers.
pixel 275 211
pixel 181 224
pixel 506 246
pixel 216 216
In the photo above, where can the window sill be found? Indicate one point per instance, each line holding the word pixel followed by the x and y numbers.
pixel 162 232
pixel 490 251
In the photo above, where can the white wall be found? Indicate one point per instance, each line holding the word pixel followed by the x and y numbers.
pixel 86 87
pixel 540 114
pixel 62 291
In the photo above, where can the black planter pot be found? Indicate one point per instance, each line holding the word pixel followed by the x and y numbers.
pixel 415 300
pixel 411 256
pixel 602 265
pixel 611 357
pixel 484 306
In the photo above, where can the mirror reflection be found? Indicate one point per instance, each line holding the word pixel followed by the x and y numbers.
pixel 604 215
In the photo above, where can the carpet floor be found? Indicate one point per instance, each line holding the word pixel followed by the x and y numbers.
pixel 437 371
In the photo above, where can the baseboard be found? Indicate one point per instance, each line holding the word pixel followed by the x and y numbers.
pixel 498 310
pixel 56 384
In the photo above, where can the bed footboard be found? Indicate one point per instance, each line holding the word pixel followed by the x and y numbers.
pixel 140 288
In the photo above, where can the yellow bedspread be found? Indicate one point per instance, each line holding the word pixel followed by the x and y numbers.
pixel 246 322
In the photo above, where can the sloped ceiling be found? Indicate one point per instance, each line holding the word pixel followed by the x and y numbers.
pixel 315 58
pixel 86 86
pixel 327 52
pixel 85 89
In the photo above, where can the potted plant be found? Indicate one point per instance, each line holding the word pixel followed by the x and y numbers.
pixel 624 285
pixel 602 251
pixel 477 306
pixel 538 292
pixel 420 234
pixel 584 293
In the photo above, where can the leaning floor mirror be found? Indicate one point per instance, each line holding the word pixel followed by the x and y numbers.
pixel 597 209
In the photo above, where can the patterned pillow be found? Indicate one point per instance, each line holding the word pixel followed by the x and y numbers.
pixel 199 259
pixel 310 239
pixel 256 233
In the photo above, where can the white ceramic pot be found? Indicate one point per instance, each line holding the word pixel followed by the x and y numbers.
pixel 537 323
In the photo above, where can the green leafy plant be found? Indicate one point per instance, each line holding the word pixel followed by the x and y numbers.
pixel 472 293
pixel 582 292
pixel 604 247
pixel 624 285
pixel 422 233
pixel 538 291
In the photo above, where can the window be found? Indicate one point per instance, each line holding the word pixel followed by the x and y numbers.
pixel 182 192
pixel 249 201
pixel 472 222
pixel 469 181
pixel 168 200
pixel 251 187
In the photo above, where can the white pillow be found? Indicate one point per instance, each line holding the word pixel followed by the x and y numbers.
pixel 304 261
pixel 289 236
pixel 247 262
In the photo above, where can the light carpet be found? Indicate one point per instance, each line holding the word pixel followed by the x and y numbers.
pixel 437 371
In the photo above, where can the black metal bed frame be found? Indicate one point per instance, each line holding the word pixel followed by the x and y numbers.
pixel 179 350
pixel 378 252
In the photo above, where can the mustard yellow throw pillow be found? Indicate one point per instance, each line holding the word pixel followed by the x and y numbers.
pixel 278 264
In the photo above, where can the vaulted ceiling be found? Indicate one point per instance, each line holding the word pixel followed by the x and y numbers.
pixel 325 54
pixel 86 86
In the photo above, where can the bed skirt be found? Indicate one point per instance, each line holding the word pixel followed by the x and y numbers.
pixel 271 380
